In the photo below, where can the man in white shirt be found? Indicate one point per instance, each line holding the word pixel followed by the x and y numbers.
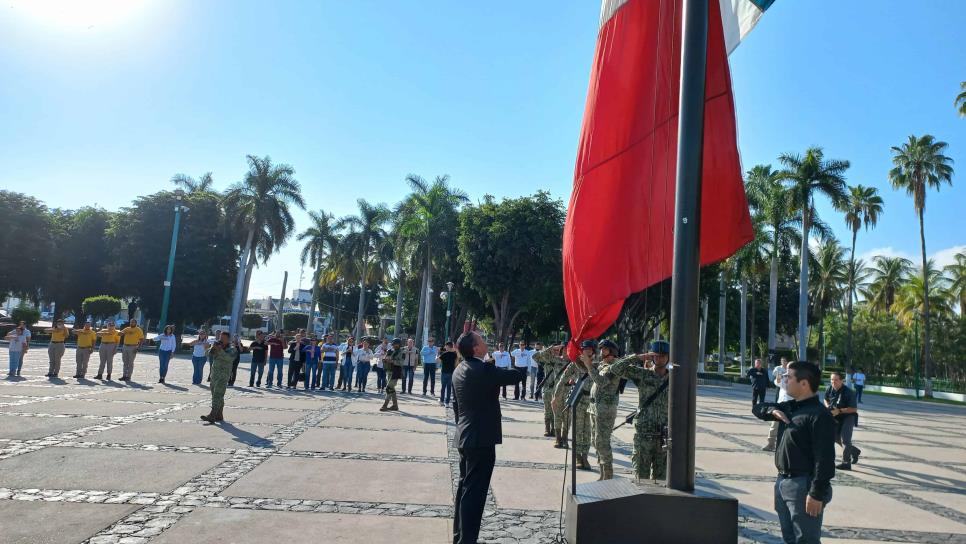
pixel 501 358
pixel 535 372
pixel 780 375
pixel 858 381
pixel 522 359
pixel 378 355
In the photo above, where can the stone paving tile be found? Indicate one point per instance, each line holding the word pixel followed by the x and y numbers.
pixel 367 441
pixel 276 402
pixel 531 489
pixel 23 522
pixel 85 407
pixel 27 427
pixel 153 395
pixel 386 422
pixel 76 468
pixel 935 453
pixel 210 526
pixel 347 480
pixel 169 433
pixel 908 473
pixel 956 501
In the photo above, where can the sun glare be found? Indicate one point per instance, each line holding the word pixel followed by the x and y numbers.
pixel 77 14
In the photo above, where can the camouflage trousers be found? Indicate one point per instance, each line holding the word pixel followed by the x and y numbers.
pixel 649 458
pixel 220 372
pixel 562 421
pixel 602 426
pixel 549 418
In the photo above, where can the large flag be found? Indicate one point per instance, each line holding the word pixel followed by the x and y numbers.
pixel 619 233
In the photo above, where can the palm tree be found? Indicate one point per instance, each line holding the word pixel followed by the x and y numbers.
pixel 862 208
pixel 957 281
pixel 772 201
pixel 202 185
pixel 807 175
pixel 321 239
pixel 428 220
pixel 365 236
pixel 827 284
pixel 890 274
pixel 961 100
pixel 918 164
pixel 259 206
pixel 911 301
pixel 751 264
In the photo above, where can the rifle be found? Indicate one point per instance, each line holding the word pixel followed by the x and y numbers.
pixel 647 402
pixel 545 378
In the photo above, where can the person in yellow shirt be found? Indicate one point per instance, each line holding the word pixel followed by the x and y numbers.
pixel 109 339
pixel 55 350
pixel 86 338
pixel 131 338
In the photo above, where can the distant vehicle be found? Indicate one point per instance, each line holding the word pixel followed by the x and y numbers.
pixel 46 316
pixel 69 319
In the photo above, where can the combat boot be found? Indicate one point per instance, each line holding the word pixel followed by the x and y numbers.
pixel 385 405
pixel 547 429
pixel 395 404
pixel 582 462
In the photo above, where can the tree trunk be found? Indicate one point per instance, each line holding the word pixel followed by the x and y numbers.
pixel 722 301
pixel 422 309
pixel 360 313
pixel 851 315
pixel 237 302
pixel 753 339
pixel 397 324
pixel 926 361
pixel 428 320
pixel 743 328
pixel 703 347
pixel 315 295
pixel 803 288
pixel 773 302
pixel 821 341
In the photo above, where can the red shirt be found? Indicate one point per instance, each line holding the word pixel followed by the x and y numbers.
pixel 275 347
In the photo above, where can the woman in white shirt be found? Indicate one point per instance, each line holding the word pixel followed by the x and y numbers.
pixel 363 364
pixel 199 356
pixel 167 342
pixel 18 338
pixel 379 354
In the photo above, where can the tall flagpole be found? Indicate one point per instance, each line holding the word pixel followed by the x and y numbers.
pixel 687 238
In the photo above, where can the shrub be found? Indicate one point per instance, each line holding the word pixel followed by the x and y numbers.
pixel 101 306
pixel 293 321
pixel 251 321
pixel 25 313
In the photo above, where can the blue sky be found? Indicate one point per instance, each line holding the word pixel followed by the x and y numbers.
pixel 105 103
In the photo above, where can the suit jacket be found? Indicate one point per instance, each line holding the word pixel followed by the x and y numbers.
pixel 476 404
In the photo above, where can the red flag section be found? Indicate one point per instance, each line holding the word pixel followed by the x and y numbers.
pixel 619 233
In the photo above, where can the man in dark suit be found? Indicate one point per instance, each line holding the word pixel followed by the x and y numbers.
pixel 478 431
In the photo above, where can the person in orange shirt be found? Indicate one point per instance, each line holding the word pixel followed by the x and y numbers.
pixel 131 339
pixel 55 350
pixel 86 338
pixel 109 340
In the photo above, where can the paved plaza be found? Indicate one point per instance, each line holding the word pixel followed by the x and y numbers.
pixel 105 462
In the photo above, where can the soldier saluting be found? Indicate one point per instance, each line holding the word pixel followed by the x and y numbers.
pixel 553 365
pixel 650 424
pixel 570 375
pixel 604 399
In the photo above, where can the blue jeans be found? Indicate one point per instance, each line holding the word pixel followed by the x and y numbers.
pixel 198 365
pixel 311 371
pixel 380 378
pixel 362 375
pixel 15 357
pixel 328 374
pixel 273 364
pixel 409 376
pixel 259 368
pixel 429 376
pixel 797 526
pixel 347 375
pixel 164 357
pixel 446 388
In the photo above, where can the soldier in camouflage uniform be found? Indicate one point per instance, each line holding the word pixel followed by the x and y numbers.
pixel 604 399
pixel 553 365
pixel 393 364
pixel 222 358
pixel 650 460
pixel 568 378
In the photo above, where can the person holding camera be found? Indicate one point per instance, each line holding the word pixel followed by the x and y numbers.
pixel 841 402
pixel 19 339
pixel 759 382
pixel 805 456
pixel 223 354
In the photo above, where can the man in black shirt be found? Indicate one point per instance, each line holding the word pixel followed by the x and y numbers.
pixel 804 456
pixel 447 366
pixel 840 400
pixel 259 349
pixel 759 382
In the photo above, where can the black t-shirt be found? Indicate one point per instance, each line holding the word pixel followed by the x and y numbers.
pixel 843 398
pixel 449 362
pixel 259 350
pixel 758 377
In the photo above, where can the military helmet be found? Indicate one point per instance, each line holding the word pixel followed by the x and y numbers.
pixel 396 342
pixel 660 347
pixel 588 344
pixel 609 344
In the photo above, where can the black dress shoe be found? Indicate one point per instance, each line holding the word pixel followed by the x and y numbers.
pixel 844 466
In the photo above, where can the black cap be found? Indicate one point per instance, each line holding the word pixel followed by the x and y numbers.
pixel 609 344
pixel 588 344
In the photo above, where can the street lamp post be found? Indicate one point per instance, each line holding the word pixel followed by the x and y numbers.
pixel 166 298
pixel 447 297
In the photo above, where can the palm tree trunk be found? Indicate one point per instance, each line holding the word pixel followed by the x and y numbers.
pixel 773 301
pixel 315 296
pixel 803 289
pixel 851 294
pixel 360 313
pixel 743 328
pixel 722 300
pixel 752 346
pixel 237 302
pixel 421 313
pixel 821 340
pixel 428 320
pixel 926 362
pixel 397 324
pixel 703 341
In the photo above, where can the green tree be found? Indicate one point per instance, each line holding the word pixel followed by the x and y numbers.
pixel 862 209
pixel 205 260
pixel 251 321
pixel 79 257
pixel 27 314
pixel 101 306
pixel 26 244
pixel 890 273
pixel 961 100
pixel 918 165
pixel 259 206
pixel 292 321
pixel 912 300
pixel 201 185
pixel 365 237
pixel 956 273
pixel 321 239
pixel 500 243
pixel 806 176
pixel 827 285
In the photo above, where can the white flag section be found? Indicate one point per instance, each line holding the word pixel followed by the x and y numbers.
pixel 738 17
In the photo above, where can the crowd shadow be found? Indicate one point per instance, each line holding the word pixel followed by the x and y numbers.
pixel 241 436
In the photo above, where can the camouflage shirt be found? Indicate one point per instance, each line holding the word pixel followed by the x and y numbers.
pixel 563 387
pixel 647 381
pixel 552 366
pixel 604 393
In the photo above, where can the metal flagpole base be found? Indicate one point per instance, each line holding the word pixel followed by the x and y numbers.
pixel 621 510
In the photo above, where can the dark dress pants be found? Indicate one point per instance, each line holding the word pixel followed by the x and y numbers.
pixel 476 468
